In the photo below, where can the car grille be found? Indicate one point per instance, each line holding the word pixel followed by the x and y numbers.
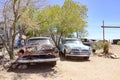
pixel 79 51
pixel 75 50
pixel 85 50
pixel 32 57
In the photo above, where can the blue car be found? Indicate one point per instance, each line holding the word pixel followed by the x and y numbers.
pixel 75 48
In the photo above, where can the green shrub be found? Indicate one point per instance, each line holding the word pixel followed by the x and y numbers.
pixel 118 43
pixel 102 45
pixel 106 47
pixel 97 45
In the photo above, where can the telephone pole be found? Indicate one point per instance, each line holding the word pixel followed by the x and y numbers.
pixel 103 32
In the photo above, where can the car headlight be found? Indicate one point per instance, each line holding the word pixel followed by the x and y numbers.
pixel 67 48
pixel 90 50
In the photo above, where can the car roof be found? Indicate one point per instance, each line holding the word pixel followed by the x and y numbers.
pixel 39 38
pixel 71 39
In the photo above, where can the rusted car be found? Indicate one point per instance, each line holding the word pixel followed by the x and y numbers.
pixel 38 50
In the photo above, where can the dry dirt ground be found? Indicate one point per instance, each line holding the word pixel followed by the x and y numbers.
pixel 97 68
pixel 113 49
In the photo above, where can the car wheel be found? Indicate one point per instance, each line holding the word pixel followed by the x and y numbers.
pixel 53 63
pixel 93 50
pixel 64 52
pixel 61 53
pixel 22 66
pixel 14 65
pixel 86 58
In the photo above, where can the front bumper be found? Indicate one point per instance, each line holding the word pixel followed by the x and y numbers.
pixel 73 55
pixel 38 60
pixel 78 54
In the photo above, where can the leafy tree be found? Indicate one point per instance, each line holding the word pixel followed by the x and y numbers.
pixel 105 46
pixel 15 14
pixel 81 34
pixel 62 21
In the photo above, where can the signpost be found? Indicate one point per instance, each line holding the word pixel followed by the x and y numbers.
pixel 103 32
pixel 107 27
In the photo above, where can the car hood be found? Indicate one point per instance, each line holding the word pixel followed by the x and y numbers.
pixel 39 46
pixel 80 46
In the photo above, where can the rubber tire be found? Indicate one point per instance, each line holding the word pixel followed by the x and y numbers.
pixel 53 63
pixel 22 66
pixel 64 53
pixel 86 58
pixel 61 53
pixel 93 50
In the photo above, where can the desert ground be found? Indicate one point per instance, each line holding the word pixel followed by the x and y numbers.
pixel 97 68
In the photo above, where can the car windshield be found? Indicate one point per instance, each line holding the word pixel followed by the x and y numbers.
pixel 39 41
pixel 73 41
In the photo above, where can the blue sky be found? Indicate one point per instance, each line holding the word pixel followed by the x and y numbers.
pixel 99 10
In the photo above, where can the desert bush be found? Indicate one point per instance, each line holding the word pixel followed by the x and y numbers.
pixel 106 46
pixel 102 45
pixel 118 43
pixel 97 45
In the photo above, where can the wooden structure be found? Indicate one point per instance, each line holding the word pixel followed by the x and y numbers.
pixel 107 27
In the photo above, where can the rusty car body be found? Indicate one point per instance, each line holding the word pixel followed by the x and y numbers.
pixel 38 50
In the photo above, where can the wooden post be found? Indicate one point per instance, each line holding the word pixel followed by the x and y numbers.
pixel 103 32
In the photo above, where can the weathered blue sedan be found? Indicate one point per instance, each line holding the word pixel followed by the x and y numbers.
pixel 75 48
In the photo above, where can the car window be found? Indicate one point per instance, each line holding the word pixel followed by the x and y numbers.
pixel 39 41
pixel 72 41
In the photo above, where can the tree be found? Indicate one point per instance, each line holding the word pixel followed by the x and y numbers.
pixel 14 12
pixel 62 21
pixel 81 34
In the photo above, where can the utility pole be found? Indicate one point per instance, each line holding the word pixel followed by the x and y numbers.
pixel 103 32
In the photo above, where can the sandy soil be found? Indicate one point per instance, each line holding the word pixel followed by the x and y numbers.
pixel 97 68
pixel 113 49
